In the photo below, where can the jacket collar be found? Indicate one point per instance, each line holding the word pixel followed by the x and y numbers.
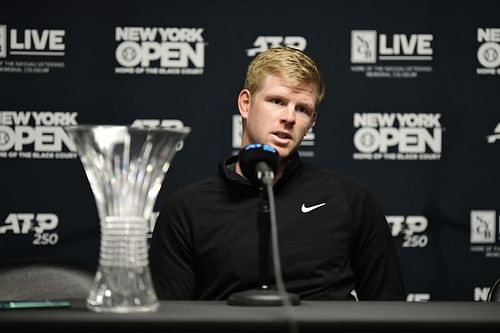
pixel 227 170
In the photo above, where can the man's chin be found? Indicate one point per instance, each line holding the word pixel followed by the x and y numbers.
pixel 284 153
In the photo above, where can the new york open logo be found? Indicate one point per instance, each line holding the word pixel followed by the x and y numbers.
pixel 160 51
pixel 263 43
pixel 36 135
pixel 42 226
pixel 381 55
pixel 488 52
pixel 397 136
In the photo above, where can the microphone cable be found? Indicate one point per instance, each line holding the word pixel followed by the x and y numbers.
pixel 280 284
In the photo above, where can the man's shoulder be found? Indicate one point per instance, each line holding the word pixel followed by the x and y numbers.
pixel 200 186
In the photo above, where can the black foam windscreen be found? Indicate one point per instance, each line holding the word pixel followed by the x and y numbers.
pixel 251 155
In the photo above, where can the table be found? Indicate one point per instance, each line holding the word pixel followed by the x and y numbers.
pixel 310 316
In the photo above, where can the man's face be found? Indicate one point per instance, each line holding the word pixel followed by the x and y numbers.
pixel 279 114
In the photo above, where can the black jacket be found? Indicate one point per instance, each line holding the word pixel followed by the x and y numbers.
pixel 205 242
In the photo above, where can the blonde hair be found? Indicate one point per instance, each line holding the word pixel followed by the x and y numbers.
pixel 292 63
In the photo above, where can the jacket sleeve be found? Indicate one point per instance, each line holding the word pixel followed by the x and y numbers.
pixel 373 255
pixel 171 253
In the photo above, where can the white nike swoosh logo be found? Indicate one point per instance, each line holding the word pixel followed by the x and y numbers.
pixel 305 209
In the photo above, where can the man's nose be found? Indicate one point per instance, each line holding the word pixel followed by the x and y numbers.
pixel 288 114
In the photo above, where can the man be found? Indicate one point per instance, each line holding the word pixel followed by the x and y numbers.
pixel 334 239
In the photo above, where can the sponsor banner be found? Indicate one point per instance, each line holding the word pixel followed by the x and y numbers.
pixel 492 138
pixel 176 124
pixel 418 297
pixel 488 51
pixel 399 55
pixel 481 294
pixel 31 51
pixel 411 229
pixel 162 123
pixel 306 148
pixel 36 135
pixel 159 50
pixel 41 227
pixel 263 43
pixel 397 136
pixel 485 233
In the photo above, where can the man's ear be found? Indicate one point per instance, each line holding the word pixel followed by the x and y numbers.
pixel 244 100
pixel 313 120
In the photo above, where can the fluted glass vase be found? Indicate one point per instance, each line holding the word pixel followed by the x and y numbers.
pixel 125 167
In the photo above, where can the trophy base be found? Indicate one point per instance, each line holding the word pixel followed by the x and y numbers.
pixel 122 290
pixel 123 309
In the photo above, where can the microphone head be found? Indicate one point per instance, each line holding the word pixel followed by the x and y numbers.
pixel 254 153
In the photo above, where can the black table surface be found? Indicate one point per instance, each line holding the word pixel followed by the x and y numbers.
pixel 310 316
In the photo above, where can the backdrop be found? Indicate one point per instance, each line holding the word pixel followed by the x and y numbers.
pixel 411 110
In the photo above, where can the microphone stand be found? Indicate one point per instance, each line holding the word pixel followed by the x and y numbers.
pixel 264 295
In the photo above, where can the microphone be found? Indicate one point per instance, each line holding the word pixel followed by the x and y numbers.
pixel 258 163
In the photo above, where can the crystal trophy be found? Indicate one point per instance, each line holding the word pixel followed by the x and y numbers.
pixel 125 167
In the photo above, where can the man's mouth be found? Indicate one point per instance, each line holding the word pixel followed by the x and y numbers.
pixel 283 135
pixel 282 138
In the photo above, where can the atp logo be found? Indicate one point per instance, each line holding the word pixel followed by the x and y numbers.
pixel 42 225
pixel 175 124
pixel 263 43
pixel 412 228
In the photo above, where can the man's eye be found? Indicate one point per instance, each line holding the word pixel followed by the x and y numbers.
pixel 276 101
pixel 303 110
